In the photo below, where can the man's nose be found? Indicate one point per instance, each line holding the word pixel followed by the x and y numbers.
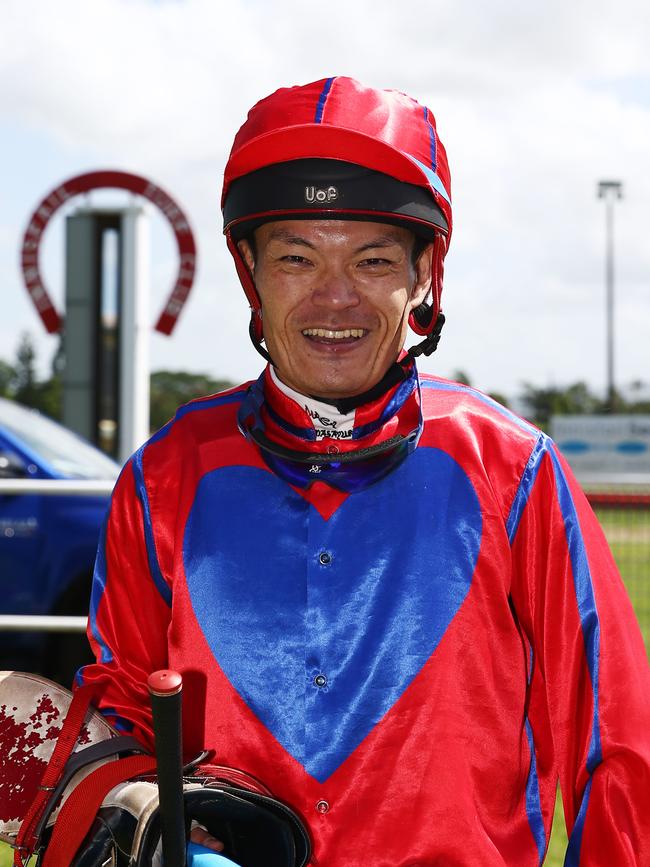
pixel 336 290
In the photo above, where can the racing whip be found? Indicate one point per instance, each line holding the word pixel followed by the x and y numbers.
pixel 165 688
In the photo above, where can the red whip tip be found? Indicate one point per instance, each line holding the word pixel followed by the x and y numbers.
pixel 164 682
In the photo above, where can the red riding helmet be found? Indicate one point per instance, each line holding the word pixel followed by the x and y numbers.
pixel 339 150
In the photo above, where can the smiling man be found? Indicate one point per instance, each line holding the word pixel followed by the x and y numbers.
pixel 336 297
pixel 388 596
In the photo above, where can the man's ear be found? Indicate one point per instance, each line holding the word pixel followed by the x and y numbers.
pixel 246 251
pixel 423 277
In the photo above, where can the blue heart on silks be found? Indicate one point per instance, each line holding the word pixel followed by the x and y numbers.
pixel 320 625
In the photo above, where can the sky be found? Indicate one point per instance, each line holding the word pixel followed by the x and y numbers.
pixel 535 104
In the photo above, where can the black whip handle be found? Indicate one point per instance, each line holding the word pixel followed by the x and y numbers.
pixel 165 688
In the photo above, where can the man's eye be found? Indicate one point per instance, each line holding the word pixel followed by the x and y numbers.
pixel 294 260
pixel 374 262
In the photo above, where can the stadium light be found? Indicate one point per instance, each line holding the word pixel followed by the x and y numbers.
pixel 610 191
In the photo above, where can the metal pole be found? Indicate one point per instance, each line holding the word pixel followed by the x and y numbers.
pixel 56 487
pixel 609 299
pixel 42 623
pixel 610 191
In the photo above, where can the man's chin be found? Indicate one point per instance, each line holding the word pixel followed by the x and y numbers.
pixel 335 389
pixel 331 381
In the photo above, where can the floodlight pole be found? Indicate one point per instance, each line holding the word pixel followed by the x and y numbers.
pixel 610 191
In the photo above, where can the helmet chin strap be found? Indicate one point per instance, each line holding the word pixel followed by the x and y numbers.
pixel 252 333
pixel 430 343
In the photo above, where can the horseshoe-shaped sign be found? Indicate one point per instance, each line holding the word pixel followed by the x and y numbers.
pixel 123 181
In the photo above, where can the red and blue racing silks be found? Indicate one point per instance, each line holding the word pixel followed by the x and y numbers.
pixel 411 664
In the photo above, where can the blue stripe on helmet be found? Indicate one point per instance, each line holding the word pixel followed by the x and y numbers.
pixel 432 139
pixel 322 99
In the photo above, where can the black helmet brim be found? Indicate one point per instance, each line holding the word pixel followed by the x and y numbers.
pixel 328 189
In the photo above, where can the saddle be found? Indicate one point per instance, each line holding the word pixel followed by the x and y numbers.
pixel 76 793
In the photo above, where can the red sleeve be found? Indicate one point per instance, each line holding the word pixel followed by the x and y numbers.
pixel 130 608
pixel 589 695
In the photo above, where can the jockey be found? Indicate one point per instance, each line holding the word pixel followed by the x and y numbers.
pixel 387 594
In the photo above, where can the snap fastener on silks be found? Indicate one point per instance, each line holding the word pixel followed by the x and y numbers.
pixel 322 807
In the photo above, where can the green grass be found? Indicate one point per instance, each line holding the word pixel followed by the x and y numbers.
pixel 558 842
pixel 7 856
pixel 628 532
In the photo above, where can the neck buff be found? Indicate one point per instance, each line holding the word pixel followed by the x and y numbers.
pixel 304 439
pixel 325 417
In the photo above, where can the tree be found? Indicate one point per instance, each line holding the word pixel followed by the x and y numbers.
pixel 19 381
pixel 51 390
pixel 25 379
pixel 170 389
pixel 639 391
pixel 7 378
pixel 49 397
pixel 576 399
pixel 461 377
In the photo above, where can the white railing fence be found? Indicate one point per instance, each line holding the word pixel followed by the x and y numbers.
pixel 41 623
pixel 53 487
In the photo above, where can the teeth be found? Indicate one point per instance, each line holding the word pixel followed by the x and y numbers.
pixel 333 335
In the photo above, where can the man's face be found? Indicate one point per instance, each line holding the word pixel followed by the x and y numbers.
pixel 336 295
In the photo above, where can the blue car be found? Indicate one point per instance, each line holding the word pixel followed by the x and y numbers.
pixel 47 541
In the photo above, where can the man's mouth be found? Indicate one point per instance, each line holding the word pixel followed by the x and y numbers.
pixel 330 334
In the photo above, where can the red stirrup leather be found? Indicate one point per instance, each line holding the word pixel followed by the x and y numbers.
pixel 27 839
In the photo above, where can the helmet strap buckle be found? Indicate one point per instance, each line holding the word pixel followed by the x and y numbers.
pixel 430 343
